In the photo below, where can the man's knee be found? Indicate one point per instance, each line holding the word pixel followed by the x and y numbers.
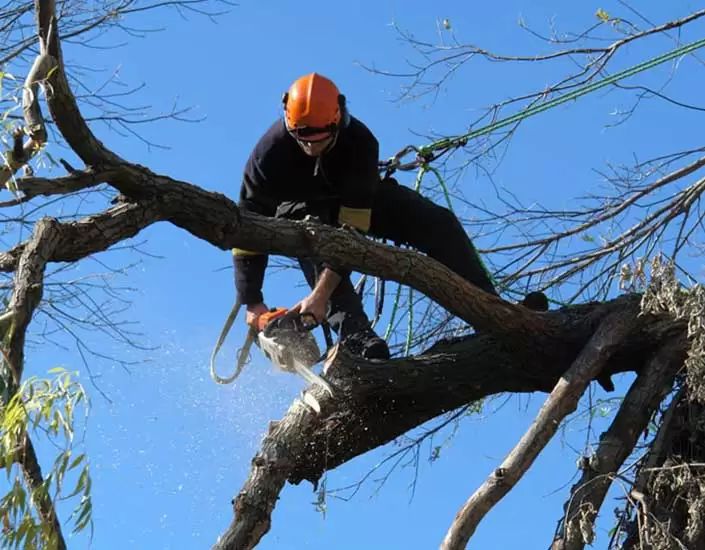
pixel 445 220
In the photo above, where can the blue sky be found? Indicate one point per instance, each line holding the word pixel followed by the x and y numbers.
pixel 171 448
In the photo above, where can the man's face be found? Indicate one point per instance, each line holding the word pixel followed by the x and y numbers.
pixel 314 144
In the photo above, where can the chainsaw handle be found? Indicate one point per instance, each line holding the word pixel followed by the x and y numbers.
pixel 307 321
pixel 265 318
pixel 303 322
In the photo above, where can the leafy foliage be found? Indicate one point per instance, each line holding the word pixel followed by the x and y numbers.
pixel 50 406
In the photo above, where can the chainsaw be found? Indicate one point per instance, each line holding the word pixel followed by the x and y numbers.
pixel 285 338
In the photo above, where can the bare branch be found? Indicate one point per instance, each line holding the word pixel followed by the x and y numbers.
pixel 77 181
pixel 62 103
pixel 616 444
pixel 35 128
pixel 562 401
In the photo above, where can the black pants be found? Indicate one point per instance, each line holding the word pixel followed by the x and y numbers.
pixel 404 216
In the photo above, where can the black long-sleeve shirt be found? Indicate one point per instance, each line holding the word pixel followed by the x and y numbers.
pixel 279 171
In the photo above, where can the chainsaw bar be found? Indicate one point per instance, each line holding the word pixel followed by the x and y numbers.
pixel 293 351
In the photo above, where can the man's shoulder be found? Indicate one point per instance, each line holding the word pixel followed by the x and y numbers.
pixel 356 126
pixel 357 135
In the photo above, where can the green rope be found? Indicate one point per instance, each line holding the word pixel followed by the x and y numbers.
pixel 410 322
pixel 536 109
pixel 392 317
pixel 442 182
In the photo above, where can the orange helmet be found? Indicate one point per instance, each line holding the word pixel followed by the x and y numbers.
pixel 313 101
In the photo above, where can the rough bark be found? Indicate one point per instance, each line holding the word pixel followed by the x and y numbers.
pixel 32 472
pixel 27 292
pixel 26 296
pixel 216 219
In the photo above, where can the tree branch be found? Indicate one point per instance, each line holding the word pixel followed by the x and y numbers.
pixel 28 288
pixel 34 121
pixel 216 219
pixel 562 401
pixel 61 101
pixel 408 392
pixel 616 444
pixel 76 181
pixel 32 472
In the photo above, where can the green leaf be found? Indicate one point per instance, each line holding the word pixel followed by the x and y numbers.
pixel 76 461
pixel 84 517
pixel 9 459
pixel 63 461
pixel 21 497
pixel 83 480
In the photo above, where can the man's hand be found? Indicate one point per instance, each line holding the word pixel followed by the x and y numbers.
pixel 253 313
pixel 314 304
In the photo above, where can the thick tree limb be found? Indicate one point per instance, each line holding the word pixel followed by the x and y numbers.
pixel 669 491
pixel 27 293
pixel 216 219
pixel 562 401
pixel 407 392
pixel 90 235
pixel 616 444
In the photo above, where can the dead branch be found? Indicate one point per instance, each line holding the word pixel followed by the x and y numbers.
pixel 665 507
pixel 562 401
pixel 34 121
pixel 616 444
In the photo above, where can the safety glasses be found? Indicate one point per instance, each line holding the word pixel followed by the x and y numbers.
pixel 312 135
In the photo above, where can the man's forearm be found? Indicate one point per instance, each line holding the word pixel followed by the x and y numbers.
pixel 326 284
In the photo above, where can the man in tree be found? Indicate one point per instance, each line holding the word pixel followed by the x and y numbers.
pixel 320 161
